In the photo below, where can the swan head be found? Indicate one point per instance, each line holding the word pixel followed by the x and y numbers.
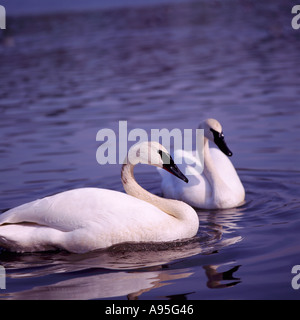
pixel 213 132
pixel 153 153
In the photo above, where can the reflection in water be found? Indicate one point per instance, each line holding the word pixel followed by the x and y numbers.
pixel 215 277
pixel 224 221
pixel 97 274
pixel 118 284
pixel 106 285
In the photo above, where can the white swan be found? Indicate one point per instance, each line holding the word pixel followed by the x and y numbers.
pixel 218 186
pixel 86 219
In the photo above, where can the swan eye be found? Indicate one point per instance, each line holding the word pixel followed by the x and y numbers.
pixel 217 134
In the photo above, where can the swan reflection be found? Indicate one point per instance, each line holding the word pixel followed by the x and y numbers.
pixel 215 278
pixel 122 284
pixel 109 274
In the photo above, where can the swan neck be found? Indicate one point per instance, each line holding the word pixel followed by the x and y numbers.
pixel 131 186
pixel 174 208
pixel 209 168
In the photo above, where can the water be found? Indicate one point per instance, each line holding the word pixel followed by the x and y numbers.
pixel 66 76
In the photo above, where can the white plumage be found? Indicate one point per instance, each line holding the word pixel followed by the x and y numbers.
pixel 218 186
pixel 86 219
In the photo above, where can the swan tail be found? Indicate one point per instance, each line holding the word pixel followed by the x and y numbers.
pixel 30 237
pixel 26 237
pixel 26 212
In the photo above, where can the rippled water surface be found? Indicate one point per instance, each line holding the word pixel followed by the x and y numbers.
pixel 65 76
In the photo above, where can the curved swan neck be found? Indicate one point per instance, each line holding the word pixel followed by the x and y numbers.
pixel 209 168
pixel 131 186
pixel 175 208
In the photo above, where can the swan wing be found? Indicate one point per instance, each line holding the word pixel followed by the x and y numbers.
pixel 78 208
pixel 65 211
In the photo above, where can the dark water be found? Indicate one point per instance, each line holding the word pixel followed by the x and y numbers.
pixel 65 76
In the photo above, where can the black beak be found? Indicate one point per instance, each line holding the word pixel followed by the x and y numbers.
pixel 220 142
pixel 175 171
pixel 170 166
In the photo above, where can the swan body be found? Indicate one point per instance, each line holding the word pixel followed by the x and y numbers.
pixel 86 219
pixel 218 186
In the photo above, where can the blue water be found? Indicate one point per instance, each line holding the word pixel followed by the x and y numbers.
pixel 66 76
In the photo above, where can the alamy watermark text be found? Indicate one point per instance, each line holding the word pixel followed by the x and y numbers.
pixel 2 278
pixel 296 19
pixel 2 17
pixel 108 153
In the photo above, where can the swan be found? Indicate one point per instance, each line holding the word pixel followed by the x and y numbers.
pixel 218 186
pixel 86 219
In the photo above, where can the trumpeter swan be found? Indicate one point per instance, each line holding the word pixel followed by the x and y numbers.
pixel 86 219
pixel 218 186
